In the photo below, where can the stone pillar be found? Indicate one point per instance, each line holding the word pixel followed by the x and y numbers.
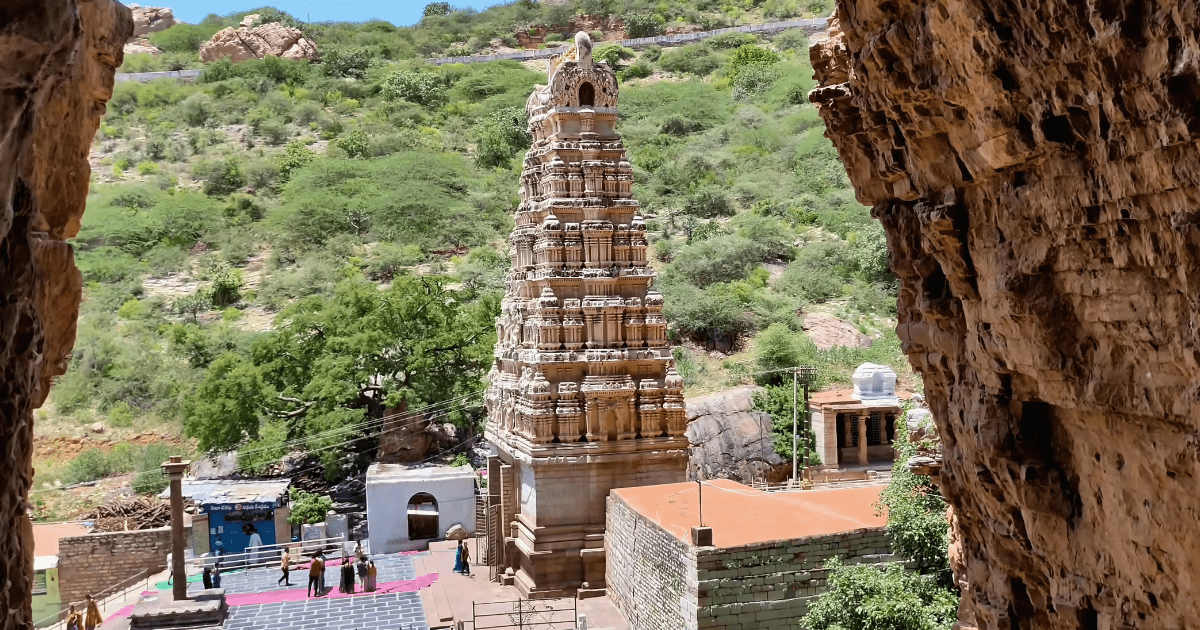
pixel 862 439
pixel 174 470
pixel 847 431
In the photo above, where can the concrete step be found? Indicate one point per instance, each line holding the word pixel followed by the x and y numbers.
pixel 433 599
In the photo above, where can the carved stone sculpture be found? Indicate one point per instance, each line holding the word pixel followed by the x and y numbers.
pixel 583 370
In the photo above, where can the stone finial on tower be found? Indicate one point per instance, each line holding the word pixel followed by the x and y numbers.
pixel 583 47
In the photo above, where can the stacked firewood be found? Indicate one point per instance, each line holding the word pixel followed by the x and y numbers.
pixel 130 514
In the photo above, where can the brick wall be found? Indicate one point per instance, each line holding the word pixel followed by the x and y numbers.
pixel 662 583
pixel 97 562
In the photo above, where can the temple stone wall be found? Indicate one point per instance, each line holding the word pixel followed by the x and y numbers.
pixel 660 582
pixel 1035 168
pixel 57 60
pixel 95 563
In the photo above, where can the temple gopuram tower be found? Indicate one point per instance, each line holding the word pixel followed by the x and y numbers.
pixel 584 396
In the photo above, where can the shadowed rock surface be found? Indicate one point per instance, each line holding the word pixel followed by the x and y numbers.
pixel 729 440
pixel 1035 167
pixel 57 59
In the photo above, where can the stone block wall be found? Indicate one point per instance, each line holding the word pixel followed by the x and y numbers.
pixel 769 585
pixel 95 563
pixel 660 582
pixel 650 573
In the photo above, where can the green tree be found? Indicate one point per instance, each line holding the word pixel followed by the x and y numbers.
pixel 776 400
pixel 916 513
pixel 777 348
pixel 308 508
pixel 863 597
pixel 437 8
pixel 226 407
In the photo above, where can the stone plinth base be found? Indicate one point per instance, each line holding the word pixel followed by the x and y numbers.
pixel 207 609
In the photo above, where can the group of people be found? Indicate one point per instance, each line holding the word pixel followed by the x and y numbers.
pixel 90 621
pixel 364 566
pixel 462 559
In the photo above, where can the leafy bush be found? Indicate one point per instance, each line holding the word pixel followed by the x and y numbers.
pixel 500 136
pixel 718 259
pixel 793 39
pixel 612 54
pixel 183 38
pixel 437 8
pixel 308 508
pixel 713 315
pixel 640 24
pixel 699 59
pixel 818 273
pixel 753 80
pixel 777 400
pixel 220 177
pixel 916 513
pixel 776 348
pixel 423 88
pixel 750 55
pixel 346 62
pixel 296 155
pixel 356 144
pixel 728 41
pixel 870 598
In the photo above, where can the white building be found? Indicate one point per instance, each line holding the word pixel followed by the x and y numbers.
pixel 409 506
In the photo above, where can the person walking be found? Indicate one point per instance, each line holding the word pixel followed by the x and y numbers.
pixel 74 620
pixel 284 563
pixel 207 578
pixel 466 558
pixel 321 555
pixel 458 555
pixel 93 619
pixel 314 576
pixel 255 548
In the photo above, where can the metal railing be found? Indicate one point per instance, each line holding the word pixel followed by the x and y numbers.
pixel 103 598
pixel 269 555
pixel 525 614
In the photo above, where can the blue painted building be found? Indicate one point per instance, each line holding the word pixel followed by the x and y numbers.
pixel 232 509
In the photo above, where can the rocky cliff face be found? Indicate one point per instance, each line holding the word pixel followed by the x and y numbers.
pixel 57 60
pixel 1035 167
pixel 729 440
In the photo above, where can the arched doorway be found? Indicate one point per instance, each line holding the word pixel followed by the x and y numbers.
pixel 423 517
pixel 587 95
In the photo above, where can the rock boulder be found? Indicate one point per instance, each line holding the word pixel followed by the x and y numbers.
pixel 274 39
pixel 148 20
pixel 729 440
pixel 141 45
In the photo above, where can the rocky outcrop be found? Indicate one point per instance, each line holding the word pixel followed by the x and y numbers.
pixel 57 60
pixel 274 39
pixel 148 20
pixel 1034 165
pixel 729 440
pixel 141 46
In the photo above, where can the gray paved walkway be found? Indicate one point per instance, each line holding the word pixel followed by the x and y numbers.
pixel 390 611
pixel 390 568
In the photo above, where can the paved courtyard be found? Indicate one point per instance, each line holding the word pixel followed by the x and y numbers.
pixel 390 611
pixel 390 569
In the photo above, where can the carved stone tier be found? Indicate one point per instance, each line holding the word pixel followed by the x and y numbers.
pixel 584 383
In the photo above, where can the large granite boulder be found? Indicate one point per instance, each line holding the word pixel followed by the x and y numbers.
pixel 274 39
pixel 148 20
pixel 729 440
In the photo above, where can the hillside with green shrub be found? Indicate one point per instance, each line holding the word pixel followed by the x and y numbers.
pixel 282 253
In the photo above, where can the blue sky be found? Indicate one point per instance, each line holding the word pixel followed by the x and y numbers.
pixel 400 13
